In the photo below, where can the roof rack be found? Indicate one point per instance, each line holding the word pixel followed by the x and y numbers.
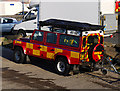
pixel 71 25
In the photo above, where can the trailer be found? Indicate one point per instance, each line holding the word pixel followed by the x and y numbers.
pixel 110 21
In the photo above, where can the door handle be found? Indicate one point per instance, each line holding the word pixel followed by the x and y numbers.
pixel 39 47
pixel 52 50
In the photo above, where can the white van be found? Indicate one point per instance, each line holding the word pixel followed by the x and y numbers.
pixel 28 24
pixel 79 11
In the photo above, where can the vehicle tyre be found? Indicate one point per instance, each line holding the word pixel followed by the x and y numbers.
pixel 22 33
pixel 104 71
pixel 19 56
pixel 62 67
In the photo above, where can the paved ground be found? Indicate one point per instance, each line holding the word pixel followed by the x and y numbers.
pixel 114 40
pixel 41 75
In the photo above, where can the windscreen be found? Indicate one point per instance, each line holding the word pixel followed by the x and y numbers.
pixel 31 15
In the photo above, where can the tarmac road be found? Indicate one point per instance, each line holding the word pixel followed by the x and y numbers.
pixel 114 40
pixel 41 75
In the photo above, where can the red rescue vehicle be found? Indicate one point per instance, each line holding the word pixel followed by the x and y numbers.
pixel 68 44
pixel 117 6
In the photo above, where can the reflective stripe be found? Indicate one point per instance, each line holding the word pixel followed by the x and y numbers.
pixel 50 55
pixel 18 42
pixel 97 53
pixel 58 50
pixel 99 57
pixel 74 54
pixel 36 52
pixel 29 45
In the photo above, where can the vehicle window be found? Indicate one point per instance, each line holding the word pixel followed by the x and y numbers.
pixel 84 42
pixel 73 32
pixel 93 39
pixel 59 30
pixel 119 4
pixel 7 20
pixel 38 36
pixel 31 16
pixel 51 38
pixel 72 41
pixel 101 40
pixel 0 20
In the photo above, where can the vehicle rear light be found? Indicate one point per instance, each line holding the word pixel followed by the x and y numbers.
pixel 111 36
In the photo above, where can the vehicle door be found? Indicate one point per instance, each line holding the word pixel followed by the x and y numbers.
pixel 35 47
pixel 7 24
pixel 51 42
pixel 30 21
pixel 92 43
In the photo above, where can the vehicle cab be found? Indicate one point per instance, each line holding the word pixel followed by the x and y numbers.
pixel 66 43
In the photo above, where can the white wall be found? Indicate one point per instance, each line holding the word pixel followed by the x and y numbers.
pixel 107 6
pixel 7 9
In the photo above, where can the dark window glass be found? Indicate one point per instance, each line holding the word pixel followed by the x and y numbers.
pixel 30 16
pixel 84 42
pixel 101 40
pixel 59 30
pixel 38 36
pixel 72 41
pixel 0 21
pixel 7 21
pixel 119 4
pixel 93 39
pixel 51 38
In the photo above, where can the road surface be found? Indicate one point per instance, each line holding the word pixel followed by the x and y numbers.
pixel 41 75
pixel 114 40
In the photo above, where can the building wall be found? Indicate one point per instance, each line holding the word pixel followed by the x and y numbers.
pixel 11 7
pixel 107 6
pixel 2 10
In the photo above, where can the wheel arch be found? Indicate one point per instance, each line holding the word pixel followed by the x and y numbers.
pixel 22 30
pixel 22 48
pixel 65 56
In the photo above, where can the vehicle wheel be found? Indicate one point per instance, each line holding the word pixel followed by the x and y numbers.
pixel 19 56
pixel 62 67
pixel 22 33
pixel 104 71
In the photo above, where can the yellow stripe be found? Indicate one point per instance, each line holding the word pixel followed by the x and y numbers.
pixel 82 51
pixel 50 55
pixel 74 54
pixel 43 48
pixel 87 60
pixel 99 57
pixel 36 52
pixel 116 10
pixel 97 53
pixel 19 42
pixel 29 45
pixel 58 50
